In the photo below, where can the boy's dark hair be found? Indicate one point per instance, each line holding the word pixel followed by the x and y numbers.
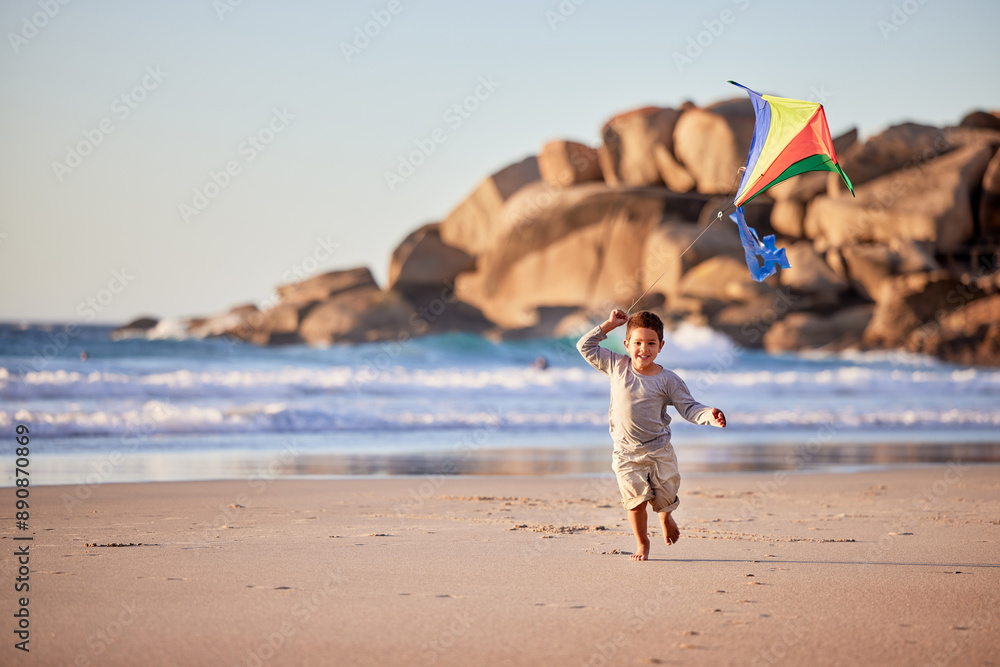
pixel 644 320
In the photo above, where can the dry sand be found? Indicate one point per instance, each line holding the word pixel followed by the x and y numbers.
pixel 884 567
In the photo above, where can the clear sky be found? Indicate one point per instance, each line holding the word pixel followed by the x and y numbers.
pixel 180 158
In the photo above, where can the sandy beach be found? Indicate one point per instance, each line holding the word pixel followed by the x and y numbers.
pixel 879 567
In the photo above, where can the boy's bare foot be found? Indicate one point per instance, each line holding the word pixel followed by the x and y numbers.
pixel 641 551
pixel 671 533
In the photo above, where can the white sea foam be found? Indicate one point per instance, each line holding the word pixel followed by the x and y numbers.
pixel 165 418
pixel 292 381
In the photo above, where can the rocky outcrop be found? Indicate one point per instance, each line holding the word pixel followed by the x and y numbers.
pixel 365 314
pixel 712 144
pixel 901 147
pixel 722 279
pixel 983 120
pixel 564 163
pixel 423 260
pixel 907 302
pixel 473 225
pixel 989 202
pixel 545 246
pixel 627 155
pixel 581 246
pixel 929 203
pixel 673 248
pixel 325 286
pixel 137 328
pixel 673 173
pixel 811 331
pixel 810 274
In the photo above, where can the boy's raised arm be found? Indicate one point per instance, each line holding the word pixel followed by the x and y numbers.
pixel 589 344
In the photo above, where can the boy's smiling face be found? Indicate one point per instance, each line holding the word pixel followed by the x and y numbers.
pixel 643 345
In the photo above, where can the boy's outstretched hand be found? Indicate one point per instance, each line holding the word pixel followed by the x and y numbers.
pixel 617 317
pixel 720 418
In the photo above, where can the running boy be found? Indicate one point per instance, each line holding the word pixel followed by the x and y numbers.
pixel 641 390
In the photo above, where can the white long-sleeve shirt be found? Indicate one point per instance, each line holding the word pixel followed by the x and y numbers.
pixel 638 412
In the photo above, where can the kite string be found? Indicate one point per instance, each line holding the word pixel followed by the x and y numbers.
pixel 677 259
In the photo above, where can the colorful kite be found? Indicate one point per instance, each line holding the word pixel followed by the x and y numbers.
pixel 790 137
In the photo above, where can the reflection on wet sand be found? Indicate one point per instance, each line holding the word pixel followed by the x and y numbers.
pixel 595 460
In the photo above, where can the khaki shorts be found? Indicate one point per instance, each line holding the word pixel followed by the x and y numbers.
pixel 651 476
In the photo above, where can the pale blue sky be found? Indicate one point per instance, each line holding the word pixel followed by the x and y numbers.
pixel 207 82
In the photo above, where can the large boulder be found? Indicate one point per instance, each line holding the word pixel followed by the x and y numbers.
pixel 579 246
pixel 474 224
pixel 673 173
pixel 280 325
pixel 564 163
pixel 723 279
pixel 712 143
pixel 900 147
pixel 810 274
pixel 981 120
pixel 364 314
pixel 968 335
pixel 869 265
pixel 746 323
pixel 137 328
pixel 989 202
pixel 551 322
pixel 673 248
pixel 809 331
pixel 929 203
pixel 424 260
pixel 239 322
pixel 788 216
pixel 629 139
pixel 907 302
pixel 326 285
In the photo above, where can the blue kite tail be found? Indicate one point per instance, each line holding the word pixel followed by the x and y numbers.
pixel 753 248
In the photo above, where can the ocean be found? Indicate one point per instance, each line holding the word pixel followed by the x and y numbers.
pixel 158 410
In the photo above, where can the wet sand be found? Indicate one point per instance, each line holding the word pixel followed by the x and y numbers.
pixel 882 567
